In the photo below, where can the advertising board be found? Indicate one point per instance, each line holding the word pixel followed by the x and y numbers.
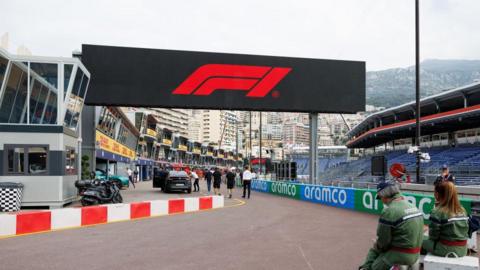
pixel 143 77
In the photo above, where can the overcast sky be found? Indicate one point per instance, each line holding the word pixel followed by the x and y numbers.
pixel 380 32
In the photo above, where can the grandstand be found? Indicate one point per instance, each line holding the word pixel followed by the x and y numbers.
pixel 450 124
pixel 328 157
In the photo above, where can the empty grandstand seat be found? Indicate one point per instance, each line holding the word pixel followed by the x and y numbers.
pixel 463 160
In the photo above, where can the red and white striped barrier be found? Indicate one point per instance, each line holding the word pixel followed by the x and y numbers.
pixel 42 221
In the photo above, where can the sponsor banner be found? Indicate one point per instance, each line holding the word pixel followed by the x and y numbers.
pixel 151 132
pixel 332 196
pixel 167 142
pixel 110 145
pixel 365 201
pixel 259 185
pixel 182 147
pixel 286 189
pixel 206 80
pixel 362 200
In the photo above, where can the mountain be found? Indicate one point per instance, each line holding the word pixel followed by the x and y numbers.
pixel 392 87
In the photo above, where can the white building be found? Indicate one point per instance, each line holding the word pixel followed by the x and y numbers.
pixel 219 127
pixel 175 120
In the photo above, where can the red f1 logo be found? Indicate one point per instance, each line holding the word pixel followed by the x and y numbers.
pixel 257 80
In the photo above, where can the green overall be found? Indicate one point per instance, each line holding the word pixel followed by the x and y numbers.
pixel 399 236
pixel 447 234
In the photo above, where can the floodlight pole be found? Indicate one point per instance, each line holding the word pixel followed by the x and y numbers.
pixel 250 140
pixel 313 118
pixel 260 144
pixel 417 85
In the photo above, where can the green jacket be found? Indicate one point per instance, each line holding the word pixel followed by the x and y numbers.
pixel 443 227
pixel 400 227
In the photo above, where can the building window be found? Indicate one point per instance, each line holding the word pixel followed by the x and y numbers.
pixel 15 160
pixel 26 159
pixel 70 161
pixel 14 96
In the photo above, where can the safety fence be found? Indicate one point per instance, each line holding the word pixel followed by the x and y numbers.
pixel 59 219
pixel 362 200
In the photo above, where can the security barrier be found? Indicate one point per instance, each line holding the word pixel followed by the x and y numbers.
pixel 362 200
pixel 58 219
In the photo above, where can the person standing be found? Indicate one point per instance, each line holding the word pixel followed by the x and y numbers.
pixel 230 182
pixel 445 176
pixel 208 177
pixel 247 181
pixel 135 173
pixel 196 186
pixel 399 231
pixel 130 177
pixel 217 180
pixel 448 229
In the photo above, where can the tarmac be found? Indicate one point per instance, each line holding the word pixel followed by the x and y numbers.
pixel 265 232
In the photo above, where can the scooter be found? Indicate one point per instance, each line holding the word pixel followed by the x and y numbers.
pixel 101 192
pixel 83 185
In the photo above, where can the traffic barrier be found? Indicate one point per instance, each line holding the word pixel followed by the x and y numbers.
pixel 12 224
pixel 362 200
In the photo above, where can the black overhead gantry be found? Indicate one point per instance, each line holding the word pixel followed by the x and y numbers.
pixel 201 80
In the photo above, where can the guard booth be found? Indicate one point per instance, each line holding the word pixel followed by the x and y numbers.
pixel 41 99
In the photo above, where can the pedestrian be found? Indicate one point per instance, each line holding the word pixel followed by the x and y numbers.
pixel 135 173
pixel 230 182
pixel 196 186
pixel 130 176
pixel 217 180
pixel 448 229
pixel 208 177
pixel 399 232
pixel 247 181
pixel 445 175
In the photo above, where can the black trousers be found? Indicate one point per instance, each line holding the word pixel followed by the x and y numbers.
pixel 196 186
pixel 130 178
pixel 209 184
pixel 246 186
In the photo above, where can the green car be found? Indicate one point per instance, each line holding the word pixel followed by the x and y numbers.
pixel 120 181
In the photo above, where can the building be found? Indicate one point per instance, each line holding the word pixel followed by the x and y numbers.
pixel 195 125
pixel 219 127
pixel 148 150
pixel 175 120
pixel 110 140
pixel 295 133
pixel 41 99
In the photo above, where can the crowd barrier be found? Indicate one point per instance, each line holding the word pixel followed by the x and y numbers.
pixel 362 200
pixel 28 222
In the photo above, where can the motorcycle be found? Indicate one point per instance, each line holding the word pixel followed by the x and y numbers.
pixel 99 192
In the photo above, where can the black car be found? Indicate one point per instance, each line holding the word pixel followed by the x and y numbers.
pixel 172 181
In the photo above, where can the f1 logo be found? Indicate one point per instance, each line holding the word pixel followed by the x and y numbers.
pixel 257 80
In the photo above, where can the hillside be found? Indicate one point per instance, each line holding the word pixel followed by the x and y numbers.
pixel 393 87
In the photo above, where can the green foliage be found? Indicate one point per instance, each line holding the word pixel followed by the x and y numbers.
pixel 85 167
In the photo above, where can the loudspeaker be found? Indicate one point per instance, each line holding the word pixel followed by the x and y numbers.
pixel 379 165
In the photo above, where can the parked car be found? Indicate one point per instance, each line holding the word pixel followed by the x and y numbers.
pixel 120 181
pixel 159 178
pixel 174 181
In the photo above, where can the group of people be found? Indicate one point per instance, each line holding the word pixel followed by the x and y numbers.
pixel 231 175
pixel 132 176
pixel 400 232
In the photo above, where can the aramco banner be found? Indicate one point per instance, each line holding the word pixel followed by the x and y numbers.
pixel 203 80
pixel 362 200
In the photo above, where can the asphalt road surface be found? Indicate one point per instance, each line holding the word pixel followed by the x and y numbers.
pixel 267 232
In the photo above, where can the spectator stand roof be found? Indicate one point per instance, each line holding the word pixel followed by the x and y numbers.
pixel 451 110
